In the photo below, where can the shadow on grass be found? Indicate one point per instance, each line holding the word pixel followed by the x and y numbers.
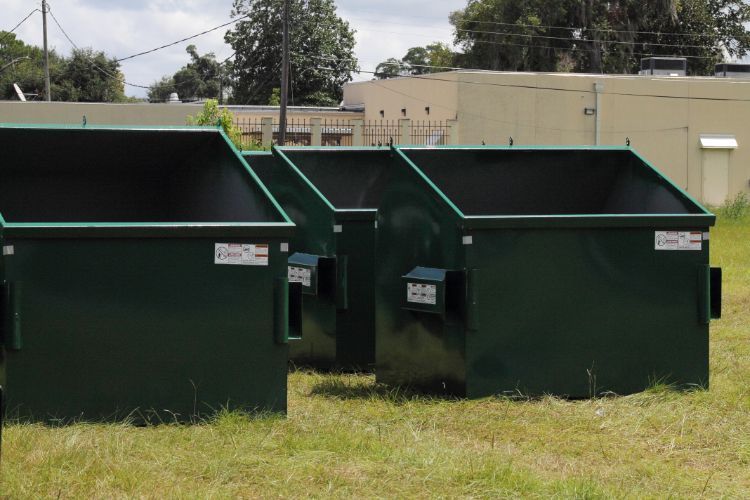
pixel 337 388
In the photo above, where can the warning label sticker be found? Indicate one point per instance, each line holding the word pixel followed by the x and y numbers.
pixel 678 240
pixel 300 275
pixel 240 254
pixel 421 293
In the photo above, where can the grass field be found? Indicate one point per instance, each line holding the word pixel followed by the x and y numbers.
pixel 345 436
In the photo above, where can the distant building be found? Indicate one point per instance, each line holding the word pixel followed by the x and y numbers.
pixel 693 128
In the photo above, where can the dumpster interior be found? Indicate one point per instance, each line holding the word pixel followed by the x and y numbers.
pixel 348 179
pixel 508 182
pixel 57 175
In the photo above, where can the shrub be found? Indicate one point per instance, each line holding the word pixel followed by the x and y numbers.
pixel 213 115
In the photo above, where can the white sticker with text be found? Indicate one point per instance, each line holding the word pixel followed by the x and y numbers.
pixel 240 254
pixel 678 240
pixel 421 293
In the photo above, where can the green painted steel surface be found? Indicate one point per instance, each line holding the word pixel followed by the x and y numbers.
pixel 332 194
pixel 563 289
pixel 126 310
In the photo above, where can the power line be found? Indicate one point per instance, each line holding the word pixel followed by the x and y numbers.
pixel 547 26
pixel 101 70
pixel 182 40
pixel 559 89
pixel 572 40
pixel 620 42
pixel 642 54
pixel 199 77
pixel 519 124
pixel 581 28
pixel 7 33
pixel 119 77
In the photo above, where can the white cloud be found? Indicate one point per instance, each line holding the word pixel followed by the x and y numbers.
pixel 123 27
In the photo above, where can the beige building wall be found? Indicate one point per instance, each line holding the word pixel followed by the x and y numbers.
pixel 411 94
pixel 143 114
pixel 663 117
pixel 96 113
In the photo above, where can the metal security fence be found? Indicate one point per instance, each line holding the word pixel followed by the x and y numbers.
pixel 429 133
pixel 337 133
pixel 345 132
pixel 298 132
pixel 381 132
pixel 252 131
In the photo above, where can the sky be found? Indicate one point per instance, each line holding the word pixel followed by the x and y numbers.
pixel 385 28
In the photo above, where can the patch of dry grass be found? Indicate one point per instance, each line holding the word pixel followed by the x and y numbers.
pixel 347 436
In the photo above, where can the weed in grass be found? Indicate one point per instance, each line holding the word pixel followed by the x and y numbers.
pixel 735 208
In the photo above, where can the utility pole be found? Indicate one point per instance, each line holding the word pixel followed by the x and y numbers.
pixel 284 76
pixel 47 93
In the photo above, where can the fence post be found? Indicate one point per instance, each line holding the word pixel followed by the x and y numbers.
pixel 452 132
pixel 358 129
pixel 316 132
pixel 404 125
pixel 266 132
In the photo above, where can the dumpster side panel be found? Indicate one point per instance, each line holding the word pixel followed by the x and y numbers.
pixel 579 312
pixel 416 228
pixel 221 191
pixel 313 217
pixel 151 328
pixel 355 328
pixel 314 235
pixel 317 347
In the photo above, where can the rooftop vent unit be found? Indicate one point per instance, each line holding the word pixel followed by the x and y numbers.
pixel 733 70
pixel 664 66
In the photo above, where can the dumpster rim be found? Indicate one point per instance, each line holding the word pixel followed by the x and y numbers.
pixel 109 128
pixel 42 230
pixel 347 149
pixel 603 221
pixel 356 214
pixel 238 154
pixel 430 185
pixel 327 149
pixel 303 177
pixel 670 184
pixel 203 129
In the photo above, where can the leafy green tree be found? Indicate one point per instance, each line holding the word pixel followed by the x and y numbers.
pixel 596 35
pixel 432 58
pixel 28 70
pixel 86 76
pixel 275 99
pixel 160 90
pixel 390 68
pixel 89 76
pixel 321 47
pixel 198 79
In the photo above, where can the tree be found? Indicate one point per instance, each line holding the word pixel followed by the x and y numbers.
pixel 390 68
pixel 28 70
pixel 89 76
pixel 86 76
pixel 198 79
pixel 321 51
pixel 432 58
pixel 596 35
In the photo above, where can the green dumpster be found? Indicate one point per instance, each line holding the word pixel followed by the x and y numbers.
pixel 568 271
pixel 144 275
pixel 332 194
